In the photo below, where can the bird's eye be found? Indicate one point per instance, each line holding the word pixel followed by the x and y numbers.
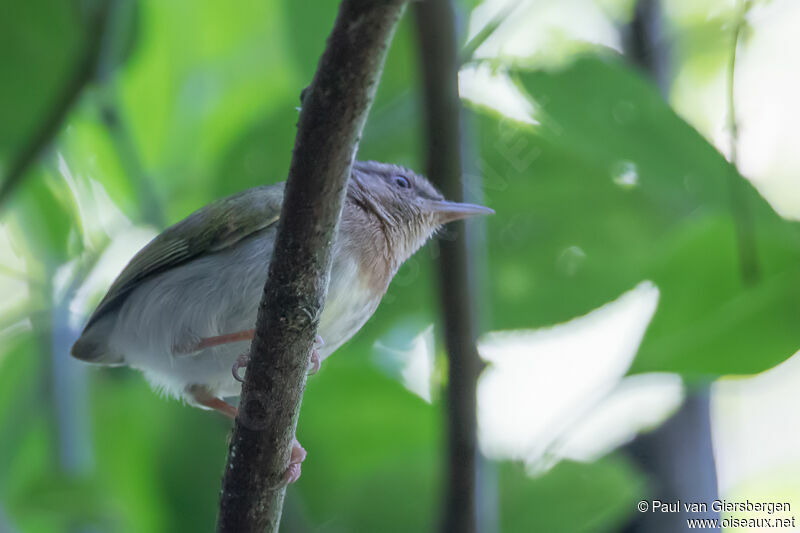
pixel 402 182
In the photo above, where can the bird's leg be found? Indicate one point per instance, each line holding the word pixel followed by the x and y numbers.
pixel 313 365
pixel 210 342
pixel 201 396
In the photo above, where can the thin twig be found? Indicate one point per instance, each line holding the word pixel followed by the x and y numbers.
pixel 647 45
pixel 66 98
pixel 149 203
pixel 742 217
pixel 107 101
pixel 468 51
pixel 733 127
pixel 435 20
pixel 334 110
pixel 9 272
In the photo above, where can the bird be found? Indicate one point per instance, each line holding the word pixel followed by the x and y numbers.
pixel 183 310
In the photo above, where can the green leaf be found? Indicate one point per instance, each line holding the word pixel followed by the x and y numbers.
pixel 572 497
pixel 40 41
pixel 612 188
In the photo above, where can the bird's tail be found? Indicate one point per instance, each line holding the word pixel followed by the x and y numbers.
pixel 91 349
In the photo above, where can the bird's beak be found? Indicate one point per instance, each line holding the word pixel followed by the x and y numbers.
pixel 450 211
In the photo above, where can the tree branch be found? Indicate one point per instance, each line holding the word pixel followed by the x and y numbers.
pixel 646 43
pixel 82 75
pixel 435 22
pixel 678 456
pixel 107 100
pixel 334 110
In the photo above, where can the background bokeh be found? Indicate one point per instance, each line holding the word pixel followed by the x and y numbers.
pixel 629 265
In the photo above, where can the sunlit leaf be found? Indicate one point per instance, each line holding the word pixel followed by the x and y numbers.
pixel 613 188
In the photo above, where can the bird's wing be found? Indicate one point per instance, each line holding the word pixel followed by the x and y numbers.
pixel 209 229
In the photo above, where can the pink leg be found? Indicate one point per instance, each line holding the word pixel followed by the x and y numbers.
pixel 201 395
pixel 210 342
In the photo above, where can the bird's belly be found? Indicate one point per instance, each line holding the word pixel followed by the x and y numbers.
pixel 169 313
pixel 347 309
pixel 208 298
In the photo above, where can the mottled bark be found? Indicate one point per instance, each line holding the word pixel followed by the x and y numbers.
pixel 334 110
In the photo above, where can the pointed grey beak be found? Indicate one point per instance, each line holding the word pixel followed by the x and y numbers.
pixel 450 211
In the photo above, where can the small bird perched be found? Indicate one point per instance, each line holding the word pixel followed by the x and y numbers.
pixel 183 309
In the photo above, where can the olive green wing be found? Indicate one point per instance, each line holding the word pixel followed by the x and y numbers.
pixel 209 229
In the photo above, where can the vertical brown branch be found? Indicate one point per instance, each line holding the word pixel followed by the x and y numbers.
pixel 435 22
pixel 335 107
pixel 678 456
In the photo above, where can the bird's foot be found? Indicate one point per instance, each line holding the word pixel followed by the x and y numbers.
pixel 293 471
pixel 205 399
pixel 313 365
pixel 240 363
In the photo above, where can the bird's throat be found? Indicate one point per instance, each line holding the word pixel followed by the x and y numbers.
pixel 366 240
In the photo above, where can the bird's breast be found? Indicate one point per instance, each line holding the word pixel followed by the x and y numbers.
pixel 351 300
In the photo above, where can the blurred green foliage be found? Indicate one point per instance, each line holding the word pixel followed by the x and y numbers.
pixel 42 39
pixel 197 101
pixel 614 188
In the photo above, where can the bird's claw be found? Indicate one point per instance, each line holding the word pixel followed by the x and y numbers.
pixel 313 366
pixel 240 363
pixel 294 469
pixel 291 475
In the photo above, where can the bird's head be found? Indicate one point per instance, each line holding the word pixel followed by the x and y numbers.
pixel 407 206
